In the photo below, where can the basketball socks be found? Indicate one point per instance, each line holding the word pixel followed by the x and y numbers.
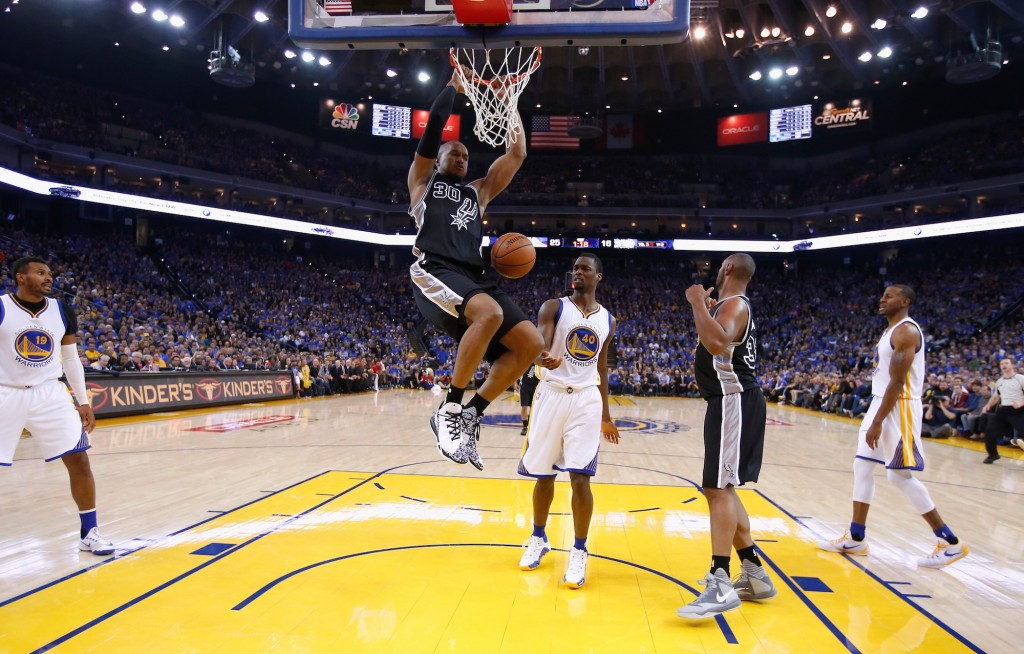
pixel 947 535
pixel 581 544
pixel 455 394
pixel 857 531
pixel 88 519
pixel 478 403
pixel 748 554
pixel 526 423
pixel 538 531
pixel 720 563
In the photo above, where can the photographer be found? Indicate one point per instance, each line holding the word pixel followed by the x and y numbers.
pixel 938 419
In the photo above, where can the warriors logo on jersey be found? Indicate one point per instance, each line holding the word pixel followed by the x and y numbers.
pixel 582 345
pixel 33 347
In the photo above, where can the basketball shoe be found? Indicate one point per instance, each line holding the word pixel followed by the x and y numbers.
pixel 753 583
pixel 95 543
pixel 1019 442
pixel 446 424
pixel 470 436
pixel 535 549
pixel 718 597
pixel 576 571
pixel 844 545
pixel 944 554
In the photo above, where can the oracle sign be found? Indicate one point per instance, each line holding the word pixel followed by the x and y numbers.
pixel 743 128
pixel 419 123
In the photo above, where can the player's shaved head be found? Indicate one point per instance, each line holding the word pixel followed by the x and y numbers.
pixel 743 266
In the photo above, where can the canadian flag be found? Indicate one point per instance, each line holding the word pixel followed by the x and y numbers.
pixel 619 131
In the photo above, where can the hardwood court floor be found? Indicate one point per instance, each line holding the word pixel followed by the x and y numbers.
pixel 334 526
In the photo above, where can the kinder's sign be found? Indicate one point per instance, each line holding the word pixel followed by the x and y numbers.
pixel 743 128
pixel 854 114
pixel 136 393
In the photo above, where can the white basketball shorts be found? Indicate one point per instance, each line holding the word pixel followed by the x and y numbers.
pixel 564 433
pixel 48 412
pixel 899 446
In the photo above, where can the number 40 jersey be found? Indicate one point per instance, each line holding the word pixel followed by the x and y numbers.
pixel 578 339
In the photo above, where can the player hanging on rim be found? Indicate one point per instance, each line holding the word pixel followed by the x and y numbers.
pixel 891 433
pixel 570 411
pixel 449 283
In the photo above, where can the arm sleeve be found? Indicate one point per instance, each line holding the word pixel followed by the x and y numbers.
pixel 440 111
pixel 75 372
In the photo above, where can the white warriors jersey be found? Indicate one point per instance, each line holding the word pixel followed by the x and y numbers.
pixel 913 385
pixel 578 339
pixel 30 343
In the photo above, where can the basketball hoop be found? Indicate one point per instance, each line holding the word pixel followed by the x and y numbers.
pixel 498 78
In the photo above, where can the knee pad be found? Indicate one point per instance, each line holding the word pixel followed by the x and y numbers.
pixel 912 487
pixel 863 480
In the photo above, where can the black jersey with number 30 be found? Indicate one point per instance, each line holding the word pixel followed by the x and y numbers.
pixel 732 371
pixel 448 221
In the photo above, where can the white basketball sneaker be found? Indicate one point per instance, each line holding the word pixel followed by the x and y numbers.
pixel 845 545
pixel 95 543
pixel 718 597
pixel 470 436
pixel 535 549
pixel 446 424
pixel 576 571
pixel 944 554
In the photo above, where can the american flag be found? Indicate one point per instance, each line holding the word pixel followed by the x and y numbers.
pixel 338 7
pixel 552 132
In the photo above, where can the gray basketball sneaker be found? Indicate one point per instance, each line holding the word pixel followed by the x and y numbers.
pixel 718 597
pixel 753 583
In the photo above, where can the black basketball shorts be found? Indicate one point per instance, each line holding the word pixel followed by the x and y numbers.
pixel 733 438
pixel 442 289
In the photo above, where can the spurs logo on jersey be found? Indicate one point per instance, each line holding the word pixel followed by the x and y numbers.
pixel 448 221
pixel 578 340
pixel 30 343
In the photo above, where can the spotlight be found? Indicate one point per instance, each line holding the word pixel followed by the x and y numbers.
pixel 809 31
pixel 879 24
pixel 776 31
pixel 290 54
pixel 138 8
pixel 699 32
pixel 159 15
pixel 919 13
pixel 308 56
pixel 261 17
pixel 423 77
pixel 324 61
pixel 775 73
pixel 865 57
pixel 792 70
pixel 885 52
pixel 847 27
pixel 831 11
pixel 391 72
pixel 756 75
pixel 177 21
pixel 765 33
pixel 625 78
pixel 740 33
pixel 584 51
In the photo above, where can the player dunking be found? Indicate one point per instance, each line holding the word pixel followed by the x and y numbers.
pixel 891 432
pixel 570 411
pixel 31 395
pixel 448 278
pixel 733 434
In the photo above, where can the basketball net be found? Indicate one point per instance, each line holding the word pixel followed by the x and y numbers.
pixel 493 80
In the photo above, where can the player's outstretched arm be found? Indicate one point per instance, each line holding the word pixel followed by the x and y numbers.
pixel 430 142
pixel 608 428
pixel 504 168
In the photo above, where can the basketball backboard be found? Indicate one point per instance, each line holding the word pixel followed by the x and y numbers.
pixel 387 24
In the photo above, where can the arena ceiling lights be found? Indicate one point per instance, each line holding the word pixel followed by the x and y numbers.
pixel 172 207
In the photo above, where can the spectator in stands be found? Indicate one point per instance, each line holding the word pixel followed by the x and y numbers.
pixel 937 420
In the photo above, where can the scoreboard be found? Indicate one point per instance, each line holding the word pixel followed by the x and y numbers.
pixel 790 123
pixel 389 120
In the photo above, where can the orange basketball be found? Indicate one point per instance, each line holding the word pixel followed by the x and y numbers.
pixel 512 255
